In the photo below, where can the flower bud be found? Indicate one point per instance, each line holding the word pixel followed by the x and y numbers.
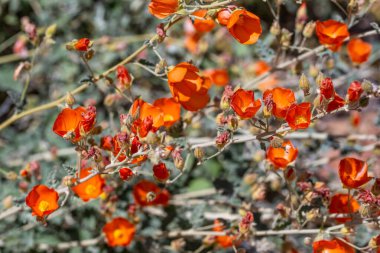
pixel 308 30
pixel 307 240
pixel 320 78
pixel 304 85
pixel 266 112
pixel 11 175
pixel 68 181
pixel 178 244
pixel 89 54
pixel 289 174
pixel 275 29
pixel 69 99
pixel 222 139
pixel 233 123
pixel 330 63
pixel 286 37
pixel 199 153
pixel 313 71
pixel 152 138
pixel 367 86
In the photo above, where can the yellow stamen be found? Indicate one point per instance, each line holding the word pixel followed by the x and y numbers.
pixel 90 189
pixel 43 206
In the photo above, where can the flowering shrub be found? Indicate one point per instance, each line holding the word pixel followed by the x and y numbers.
pixel 190 126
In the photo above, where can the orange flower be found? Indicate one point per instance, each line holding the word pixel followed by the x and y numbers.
pixel 82 44
pixel 42 200
pixel 170 108
pixel 339 205
pixel 150 117
pixel 359 50
pixel 161 173
pixel 106 142
pixel 204 23
pixel 224 241
pixel 71 123
pixel 163 8
pixel 91 188
pixel 147 193
pixel 223 16
pixel 354 91
pixel 244 26
pixel 188 87
pixel 244 104
pixel 260 68
pixel 218 77
pixel 279 100
pixel 298 116
pixel 337 103
pixel 353 172
pixel 332 33
pixel 192 41
pixel 332 246
pixel 119 232
pixel 327 89
pixel 281 157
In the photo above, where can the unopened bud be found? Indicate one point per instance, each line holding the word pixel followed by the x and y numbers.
pixel 233 123
pixel 330 63
pixel 367 86
pixel 308 30
pixel 307 240
pixel 266 112
pixel 290 174
pixel 11 175
pixel 320 78
pixel 275 29
pixel 179 163
pixel 67 181
pixel 89 54
pixel 152 138
pixel 304 85
pixel 199 153
pixel 313 71
pixel 69 99
pixel 178 244
pixel 353 6
pixel 286 37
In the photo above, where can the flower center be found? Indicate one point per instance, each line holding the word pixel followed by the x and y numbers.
pixel 43 206
pixel 300 120
pixel 90 189
pixel 118 234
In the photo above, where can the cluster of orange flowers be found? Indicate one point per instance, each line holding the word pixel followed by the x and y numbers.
pixel 189 89
pixel 333 34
